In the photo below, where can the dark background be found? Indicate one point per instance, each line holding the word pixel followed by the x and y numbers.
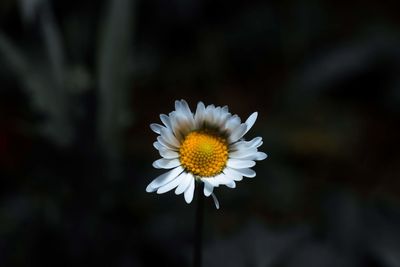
pixel 80 82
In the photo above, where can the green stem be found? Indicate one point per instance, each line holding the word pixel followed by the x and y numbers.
pixel 198 234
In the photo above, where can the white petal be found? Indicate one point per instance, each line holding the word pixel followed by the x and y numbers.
pixel 223 116
pixel 166 163
pixel 216 202
pixel 155 127
pixel 172 184
pixel 177 124
pixel 209 113
pixel 168 136
pixel 168 153
pixel 243 153
pixel 165 119
pixel 222 179
pixel 210 108
pixel 251 120
pixel 231 184
pixel 165 143
pixel 257 156
pixel 211 180
pixel 178 105
pixel 246 172
pixel 199 115
pixel 261 156
pixel 239 164
pixel 189 192
pixel 189 114
pixel 186 107
pixel 237 133
pixel 255 142
pixel 183 107
pixel 181 124
pixel 234 175
pixel 215 117
pixel 157 145
pixel 208 188
pixel 164 179
pixel 184 184
pixel 232 123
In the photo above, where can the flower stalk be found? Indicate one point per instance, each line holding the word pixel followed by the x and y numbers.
pixel 199 224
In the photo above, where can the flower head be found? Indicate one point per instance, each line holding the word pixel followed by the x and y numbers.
pixel 206 146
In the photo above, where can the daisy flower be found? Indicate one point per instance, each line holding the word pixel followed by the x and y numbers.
pixel 206 146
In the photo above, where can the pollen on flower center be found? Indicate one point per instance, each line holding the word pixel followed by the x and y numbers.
pixel 203 153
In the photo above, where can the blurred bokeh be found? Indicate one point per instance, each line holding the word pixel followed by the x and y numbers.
pixel 80 82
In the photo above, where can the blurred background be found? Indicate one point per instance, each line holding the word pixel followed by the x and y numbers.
pixel 80 82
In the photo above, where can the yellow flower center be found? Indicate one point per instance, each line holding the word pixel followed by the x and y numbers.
pixel 203 153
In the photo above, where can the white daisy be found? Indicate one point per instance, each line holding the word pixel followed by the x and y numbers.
pixel 206 146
